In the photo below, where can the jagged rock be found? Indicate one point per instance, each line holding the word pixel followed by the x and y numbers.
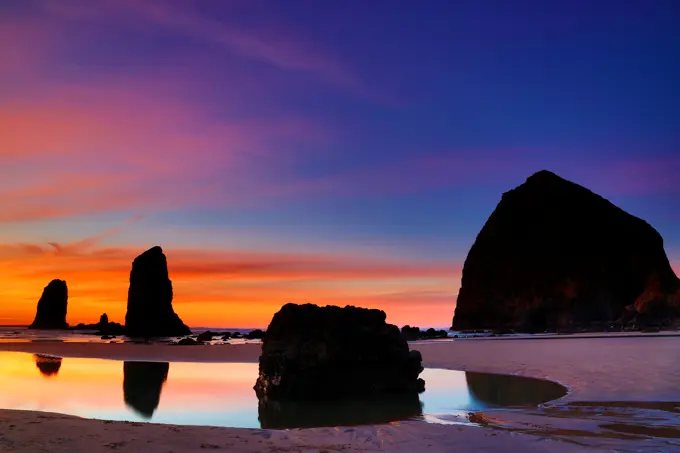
pixel 51 312
pixel 554 255
pixel 410 333
pixel 149 308
pixel 257 334
pixel 188 342
pixel 317 353
pixel 205 336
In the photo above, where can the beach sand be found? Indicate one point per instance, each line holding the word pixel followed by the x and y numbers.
pixel 600 373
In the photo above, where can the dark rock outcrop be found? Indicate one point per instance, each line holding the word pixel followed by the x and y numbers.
pixel 257 334
pixel 103 327
pixel 142 385
pixel 51 312
pixel 48 365
pixel 554 255
pixel 326 353
pixel 414 333
pixel 149 307
pixel 205 336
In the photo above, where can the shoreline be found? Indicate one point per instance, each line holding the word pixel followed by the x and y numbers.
pixel 630 369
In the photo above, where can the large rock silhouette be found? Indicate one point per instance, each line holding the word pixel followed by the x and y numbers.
pixel 149 307
pixel 326 353
pixel 52 306
pixel 554 255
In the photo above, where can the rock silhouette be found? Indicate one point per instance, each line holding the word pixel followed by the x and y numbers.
pixel 47 365
pixel 498 390
pixel 103 327
pixel 52 306
pixel 554 255
pixel 142 385
pixel 324 353
pixel 149 307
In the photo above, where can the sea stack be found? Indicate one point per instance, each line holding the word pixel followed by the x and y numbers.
pixel 554 255
pixel 149 307
pixel 51 312
pixel 327 353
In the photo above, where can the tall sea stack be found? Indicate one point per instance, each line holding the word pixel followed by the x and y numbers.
pixel 51 312
pixel 554 255
pixel 149 307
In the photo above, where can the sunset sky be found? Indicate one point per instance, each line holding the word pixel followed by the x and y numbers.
pixel 336 152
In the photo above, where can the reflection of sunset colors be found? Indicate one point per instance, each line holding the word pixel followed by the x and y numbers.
pixel 217 394
pixel 94 388
pixel 277 155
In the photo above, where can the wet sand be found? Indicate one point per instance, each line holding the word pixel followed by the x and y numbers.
pixel 610 380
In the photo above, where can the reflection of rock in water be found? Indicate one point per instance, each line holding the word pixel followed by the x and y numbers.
pixel 142 384
pixel 47 364
pixel 504 390
pixel 309 414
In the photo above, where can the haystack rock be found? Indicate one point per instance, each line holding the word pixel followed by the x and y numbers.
pixel 149 307
pixel 554 255
pixel 326 353
pixel 51 312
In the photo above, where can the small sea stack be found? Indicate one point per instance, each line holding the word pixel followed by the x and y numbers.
pixel 555 256
pixel 149 306
pixel 325 353
pixel 52 306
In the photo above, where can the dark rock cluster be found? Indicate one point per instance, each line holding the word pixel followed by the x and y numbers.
pixel 414 333
pixel 52 306
pixel 312 353
pixel 555 256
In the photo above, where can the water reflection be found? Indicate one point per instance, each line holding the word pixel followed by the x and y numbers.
pixel 142 385
pixel 47 365
pixel 498 390
pixel 221 394
pixel 310 414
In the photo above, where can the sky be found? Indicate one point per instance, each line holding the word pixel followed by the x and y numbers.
pixel 336 152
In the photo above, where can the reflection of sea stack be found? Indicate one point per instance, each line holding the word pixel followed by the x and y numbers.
pixel 288 414
pixel 554 254
pixel 47 364
pixel 51 312
pixel 142 385
pixel 505 390
pixel 149 308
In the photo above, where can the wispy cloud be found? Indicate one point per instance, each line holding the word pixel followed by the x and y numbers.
pixel 267 42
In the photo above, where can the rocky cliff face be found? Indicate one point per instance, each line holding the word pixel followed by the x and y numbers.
pixel 554 255
pixel 326 353
pixel 149 307
pixel 51 312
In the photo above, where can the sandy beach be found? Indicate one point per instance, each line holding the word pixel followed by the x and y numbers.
pixel 611 381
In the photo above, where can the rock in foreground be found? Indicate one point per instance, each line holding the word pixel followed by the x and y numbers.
pixel 554 255
pixel 317 353
pixel 149 307
pixel 51 312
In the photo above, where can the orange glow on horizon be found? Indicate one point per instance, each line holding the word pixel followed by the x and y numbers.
pixel 226 288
